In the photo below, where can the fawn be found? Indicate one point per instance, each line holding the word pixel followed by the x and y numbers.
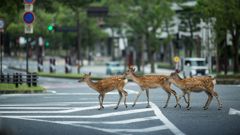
pixel 105 85
pixel 149 82
pixel 197 84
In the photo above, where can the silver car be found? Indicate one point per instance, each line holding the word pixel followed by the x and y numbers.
pixel 114 67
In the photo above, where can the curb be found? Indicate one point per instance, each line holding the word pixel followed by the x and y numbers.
pixel 22 91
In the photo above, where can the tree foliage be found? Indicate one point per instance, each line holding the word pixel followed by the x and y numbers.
pixel 227 15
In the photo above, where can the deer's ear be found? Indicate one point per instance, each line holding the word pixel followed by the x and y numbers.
pixel 89 74
pixel 176 70
pixel 133 69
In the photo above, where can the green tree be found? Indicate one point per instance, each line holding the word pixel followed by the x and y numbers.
pixel 147 18
pixel 189 24
pixel 227 15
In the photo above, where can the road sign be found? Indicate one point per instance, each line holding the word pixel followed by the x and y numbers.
pixel 28 17
pixel 176 59
pixel 28 7
pixel 2 23
pixel 97 12
pixel 29 1
pixel 28 28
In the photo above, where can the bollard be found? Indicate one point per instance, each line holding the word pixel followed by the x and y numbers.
pixel 20 76
pixel 34 79
pixel 2 77
pixel 16 80
pixel 8 78
pixel 29 79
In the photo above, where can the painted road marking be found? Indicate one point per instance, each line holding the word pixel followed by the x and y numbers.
pixel 27 111
pixel 40 118
pixel 233 112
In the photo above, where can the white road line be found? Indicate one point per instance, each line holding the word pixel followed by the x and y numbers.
pixel 64 103
pixel 233 112
pixel 62 111
pixel 110 122
pixel 142 130
pixel 167 123
pixel 86 116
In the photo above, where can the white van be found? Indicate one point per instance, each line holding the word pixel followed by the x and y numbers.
pixel 195 67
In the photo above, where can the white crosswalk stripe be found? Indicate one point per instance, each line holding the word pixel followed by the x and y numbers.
pixel 75 116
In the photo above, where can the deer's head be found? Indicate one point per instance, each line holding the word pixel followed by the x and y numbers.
pixel 176 76
pixel 85 77
pixel 129 73
pixel 169 78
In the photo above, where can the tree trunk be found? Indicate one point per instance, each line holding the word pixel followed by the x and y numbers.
pixel 235 54
pixel 143 50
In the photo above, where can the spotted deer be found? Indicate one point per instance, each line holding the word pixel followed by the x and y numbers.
pixel 197 84
pixel 150 82
pixel 105 85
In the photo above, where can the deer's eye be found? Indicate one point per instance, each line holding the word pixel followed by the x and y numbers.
pixel 83 78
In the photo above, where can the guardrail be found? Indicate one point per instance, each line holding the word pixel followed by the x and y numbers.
pixel 16 78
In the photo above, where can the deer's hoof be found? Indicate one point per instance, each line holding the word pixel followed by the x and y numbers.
pixel 116 108
pixel 133 105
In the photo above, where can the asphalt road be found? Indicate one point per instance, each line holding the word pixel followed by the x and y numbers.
pixel 70 107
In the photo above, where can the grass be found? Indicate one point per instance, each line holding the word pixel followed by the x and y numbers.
pixel 7 87
pixel 64 75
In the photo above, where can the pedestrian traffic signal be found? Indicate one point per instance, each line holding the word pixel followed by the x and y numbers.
pixel 50 27
pixel 47 43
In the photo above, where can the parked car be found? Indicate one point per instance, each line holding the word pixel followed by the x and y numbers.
pixel 195 67
pixel 114 67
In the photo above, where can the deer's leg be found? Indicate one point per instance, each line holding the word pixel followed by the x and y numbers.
pixel 189 106
pixel 120 98
pixel 140 92
pixel 185 99
pixel 174 93
pixel 125 100
pixel 169 95
pixel 103 95
pixel 100 102
pixel 210 97
pixel 219 102
pixel 147 93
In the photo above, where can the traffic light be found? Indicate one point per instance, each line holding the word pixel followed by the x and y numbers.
pixel 47 43
pixel 50 28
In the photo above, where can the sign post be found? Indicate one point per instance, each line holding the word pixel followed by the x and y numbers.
pixel 2 25
pixel 28 18
pixel 178 63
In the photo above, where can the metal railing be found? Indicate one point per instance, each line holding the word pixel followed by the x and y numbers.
pixel 16 78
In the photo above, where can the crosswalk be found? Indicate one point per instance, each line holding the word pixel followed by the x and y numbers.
pixel 85 114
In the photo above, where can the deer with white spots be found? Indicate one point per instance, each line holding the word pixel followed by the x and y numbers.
pixel 197 84
pixel 150 82
pixel 105 85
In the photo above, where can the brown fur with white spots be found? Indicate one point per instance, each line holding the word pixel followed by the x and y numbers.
pixel 149 82
pixel 197 84
pixel 105 85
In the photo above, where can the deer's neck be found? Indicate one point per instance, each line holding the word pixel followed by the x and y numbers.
pixel 135 78
pixel 91 84
pixel 178 78
pixel 176 82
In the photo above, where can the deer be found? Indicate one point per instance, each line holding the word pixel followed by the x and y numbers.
pixel 106 85
pixel 197 84
pixel 150 82
pixel 176 76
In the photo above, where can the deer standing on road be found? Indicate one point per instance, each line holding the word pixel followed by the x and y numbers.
pixel 149 82
pixel 197 84
pixel 105 85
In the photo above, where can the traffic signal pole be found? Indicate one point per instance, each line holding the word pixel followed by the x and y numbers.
pixel 1 49
pixel 27 54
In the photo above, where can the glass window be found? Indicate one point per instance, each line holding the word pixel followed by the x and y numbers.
pixel 198 63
